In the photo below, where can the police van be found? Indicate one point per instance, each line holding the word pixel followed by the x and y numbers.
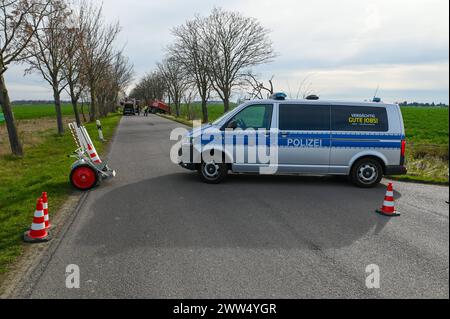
pixel 364 141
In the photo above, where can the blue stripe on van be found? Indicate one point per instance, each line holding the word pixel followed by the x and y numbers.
pixel 366 144
pixel 394 137
pixel 332 140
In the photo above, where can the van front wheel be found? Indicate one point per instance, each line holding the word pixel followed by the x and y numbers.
pixel 366 173
pixel 213 173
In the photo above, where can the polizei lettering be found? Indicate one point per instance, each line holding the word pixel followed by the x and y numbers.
pixel 304 143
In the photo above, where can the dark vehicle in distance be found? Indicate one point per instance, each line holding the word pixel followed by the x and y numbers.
pixel 129 107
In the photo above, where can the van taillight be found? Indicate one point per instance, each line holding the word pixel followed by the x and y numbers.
pixel 403 153
pixel 403 148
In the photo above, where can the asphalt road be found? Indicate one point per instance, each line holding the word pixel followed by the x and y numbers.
pixel 156 231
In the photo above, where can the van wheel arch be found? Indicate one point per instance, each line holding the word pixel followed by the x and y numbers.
pixel 225 158
pixel 373 157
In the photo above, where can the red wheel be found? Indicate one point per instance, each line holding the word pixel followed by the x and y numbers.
pixel 83 177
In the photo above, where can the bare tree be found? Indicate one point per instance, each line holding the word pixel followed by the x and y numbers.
pixel 122 76
pixel 175 79
pixel 257 87
pixel 16 30
pixel 72 69
pixel 190 50
pixel 47 52
pixel 188 98
pixel 96 50
pixel 234 43
pixel 151 87
pixel 116 78
pixel 305 88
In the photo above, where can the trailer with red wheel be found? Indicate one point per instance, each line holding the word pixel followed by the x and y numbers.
pixel 89 170
pixel 158 106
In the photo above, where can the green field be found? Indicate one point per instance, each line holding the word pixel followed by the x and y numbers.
pixel 426 125
pixel 45 167
pixel 35 111
pixel 427 144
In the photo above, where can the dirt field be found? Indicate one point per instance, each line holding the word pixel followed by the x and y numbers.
pixel 29 131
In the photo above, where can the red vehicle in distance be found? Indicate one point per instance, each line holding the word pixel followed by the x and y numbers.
pixel 159 107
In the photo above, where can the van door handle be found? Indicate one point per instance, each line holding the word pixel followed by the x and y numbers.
pixel 284 135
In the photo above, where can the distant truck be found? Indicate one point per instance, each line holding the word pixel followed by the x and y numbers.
pixel 159 107
pixel 129 107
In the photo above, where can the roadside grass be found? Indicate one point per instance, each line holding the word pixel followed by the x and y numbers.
pixel 181 120
pixel 45 167
pixel 427 132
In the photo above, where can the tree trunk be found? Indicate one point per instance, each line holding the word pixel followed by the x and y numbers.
pixel 74 99
pixel 205 111
pixel 14 142
pixel 93 107
pixel 177 108
pixel 75 111
pixel 59 119
pixel 188 112
pixel 226 104
pixel 82 112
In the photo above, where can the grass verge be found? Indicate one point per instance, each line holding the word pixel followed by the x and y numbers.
pixel 177 119
pixel 45 167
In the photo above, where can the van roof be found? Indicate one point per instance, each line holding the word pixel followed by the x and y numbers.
pixel 321 102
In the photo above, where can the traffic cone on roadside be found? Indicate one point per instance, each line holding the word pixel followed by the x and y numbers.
pixel 38 233
pixel 44 197
pixel 388 208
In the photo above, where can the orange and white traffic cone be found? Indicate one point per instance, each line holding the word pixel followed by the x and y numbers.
pixel 44 197
pixel 38 233
pixel 93 154
pixel 388 208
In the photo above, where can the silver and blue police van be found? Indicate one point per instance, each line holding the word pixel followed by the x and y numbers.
pixel 364 141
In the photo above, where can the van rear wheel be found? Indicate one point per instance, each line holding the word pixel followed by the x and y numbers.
pixel 366 173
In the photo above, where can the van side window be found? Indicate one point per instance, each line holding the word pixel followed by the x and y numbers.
pixel 359 118
pixel 297 117
pixel 254 117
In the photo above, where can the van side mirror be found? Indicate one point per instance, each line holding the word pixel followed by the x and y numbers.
pixel 233 125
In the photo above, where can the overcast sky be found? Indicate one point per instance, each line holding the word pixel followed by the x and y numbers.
pixel 346 48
